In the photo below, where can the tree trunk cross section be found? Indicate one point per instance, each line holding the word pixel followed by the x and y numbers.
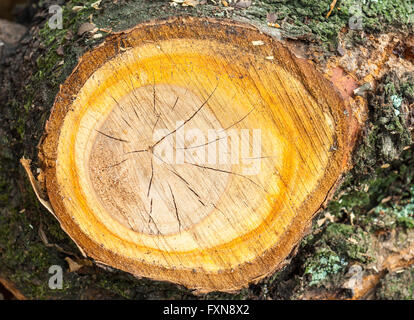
pixel 195 151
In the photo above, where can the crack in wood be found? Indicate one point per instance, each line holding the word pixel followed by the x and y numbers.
pixel 152 176
pixel 176 209
pixel 189 119
pixel 228 172
pixel 112 137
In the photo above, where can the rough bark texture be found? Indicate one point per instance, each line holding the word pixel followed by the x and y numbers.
pixel 357 244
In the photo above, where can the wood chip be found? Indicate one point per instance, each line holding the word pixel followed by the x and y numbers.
pixel 352 240
pixel 274 25
pixel 77 8
pixel 190 3
pixel 258 43
pixel 96 4
pixel 387 199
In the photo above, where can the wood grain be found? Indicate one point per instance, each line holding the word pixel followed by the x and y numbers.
pixel 204 220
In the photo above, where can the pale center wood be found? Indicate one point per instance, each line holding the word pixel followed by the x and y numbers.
pixel 153 189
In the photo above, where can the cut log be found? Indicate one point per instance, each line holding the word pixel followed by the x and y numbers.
pixel 195 151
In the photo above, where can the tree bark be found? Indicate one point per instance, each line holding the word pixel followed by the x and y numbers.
pixel 382 109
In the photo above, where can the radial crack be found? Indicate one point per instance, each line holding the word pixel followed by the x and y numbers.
pixel 152 176
pixel 189 119
pixel 237 122
pixel 175 103
pixel 150 219
pixel 201 145
pixel 176 209
pixel 116 164
pixel 136 151
pixel 111 137
pixel 228 172
pixel 188 186
pixel 217 139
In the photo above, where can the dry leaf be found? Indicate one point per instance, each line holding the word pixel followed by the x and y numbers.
pixel 387 199
pixel 96 4
pixel 73 266
pixel 328 217
pixel 85 27
pixel 77 8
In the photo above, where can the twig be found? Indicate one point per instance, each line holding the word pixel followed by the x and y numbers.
pixel 333 4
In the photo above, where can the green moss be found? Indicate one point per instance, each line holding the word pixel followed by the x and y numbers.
pixel 326 253
pixel 348 241
pixel 307 18
pixel 401 213
pixel 383 142
pixel 125 15
pixel 397 286
pixel 388 135
pixel 298 18
pixel 323 264
pixel 23 258
pixel 47 63
pixel 382 202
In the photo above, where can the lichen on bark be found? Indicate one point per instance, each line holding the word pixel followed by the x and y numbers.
pixel 307 19
pixel 397 286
